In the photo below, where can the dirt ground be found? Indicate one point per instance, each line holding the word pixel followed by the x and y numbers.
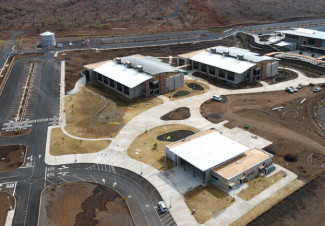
pixel 143 149
pixel 84 105
pixel 76 59
pixel 283 76
pixel 12 157
pixel 177 114
pixel 223 84
pixel 14 133
pixel 192 92
pixel 259 184
pixel 292 130
pixel 4 206
pixel 304 207
pixel 93 204
pixel 207 201
pixel 64 145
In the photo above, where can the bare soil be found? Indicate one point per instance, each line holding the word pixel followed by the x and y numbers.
pixel 177 114
pixel 223 84
pixel 93 204
pixel 84 105
pixel 259 184
pixel 207 201
pixel 292 129
pixel 143 147
pixel 187 89
pixel 4 206
pixel 304 207
pixel 13 157
pixel 282 76
pixel 61 144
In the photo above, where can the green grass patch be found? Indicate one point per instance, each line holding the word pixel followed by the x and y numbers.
pixel 216 29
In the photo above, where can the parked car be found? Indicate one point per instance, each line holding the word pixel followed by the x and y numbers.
pixel 317 89
pixel 162 206
pixel 290 89
pixel 293 88
pixel 217 98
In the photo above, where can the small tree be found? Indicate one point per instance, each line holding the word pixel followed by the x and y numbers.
pixel 80 141
pixel 107 118
pixel 62 138
pixel 155 145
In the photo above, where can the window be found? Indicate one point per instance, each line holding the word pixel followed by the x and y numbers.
pixel 112 83
pixel 106 80
pixel 231 76
pixel 181 62
pixel 99 77
pixel 119 86
pixel 212 70
pixel 195 65
pixel 204 67
pixel 86 72
pixel 311 41
pixel 222 73
pixel 126 90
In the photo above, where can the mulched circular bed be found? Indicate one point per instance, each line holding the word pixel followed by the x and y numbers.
pixel 14 133
pixel 178 114
pixel 175 135
pixel 283 75
pixel 181 93
pixel 195 86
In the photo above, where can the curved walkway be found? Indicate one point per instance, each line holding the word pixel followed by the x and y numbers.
pixel 116 154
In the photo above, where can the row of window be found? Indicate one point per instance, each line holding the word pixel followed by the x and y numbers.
pixel 111 83
pixel 212 71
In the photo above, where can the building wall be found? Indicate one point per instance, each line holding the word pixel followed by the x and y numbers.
pixel 249 174
pixel 272 69
pixel 175 82
pixel 171 155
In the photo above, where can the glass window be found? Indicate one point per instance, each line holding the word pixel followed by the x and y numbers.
pixel 112 83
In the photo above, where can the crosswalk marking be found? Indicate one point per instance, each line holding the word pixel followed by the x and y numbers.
pixel 102 167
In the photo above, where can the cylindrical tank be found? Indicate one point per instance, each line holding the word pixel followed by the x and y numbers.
pixel 47 39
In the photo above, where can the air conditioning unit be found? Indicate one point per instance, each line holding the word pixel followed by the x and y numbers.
pixel 139 68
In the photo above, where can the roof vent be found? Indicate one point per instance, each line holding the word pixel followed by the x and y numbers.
pixel 213 50
pixel 240 57
pixel 237 162
pixel 139 68
pixel 118 60
pixel 226 53
pixel 128 64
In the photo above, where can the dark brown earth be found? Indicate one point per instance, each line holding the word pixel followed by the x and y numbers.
pixel 14 133
pixel 282 76
pixel 292 130
pixel 310 70
pixel 304 207
pixel 12 157
pixel 91 205
pixel 223 84
pixel 177 114
pixel 4 206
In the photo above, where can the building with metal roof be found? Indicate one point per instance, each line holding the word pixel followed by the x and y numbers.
pixel 231 64
pixel 136 75
pixel 221 160
pixel 306 38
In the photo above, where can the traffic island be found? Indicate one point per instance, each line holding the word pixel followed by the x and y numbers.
pixel 12 157
pixel 177 114
pixel 62 144
pixel 92 204
pixel 207 201
pixel 15 133
pixel 149 147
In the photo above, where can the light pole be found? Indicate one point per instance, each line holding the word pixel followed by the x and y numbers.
pixel 141 169
pixel 75 156
pixel 10 206
pixel 170 201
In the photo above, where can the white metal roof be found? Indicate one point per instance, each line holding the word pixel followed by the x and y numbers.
pixel 46 33
pixel 305 33
pixel 209 150
pixel 129 77
pixel 223 62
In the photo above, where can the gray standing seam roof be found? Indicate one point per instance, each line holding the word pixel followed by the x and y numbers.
pixel 150 65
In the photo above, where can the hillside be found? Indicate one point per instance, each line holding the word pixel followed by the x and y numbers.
pixel 93 16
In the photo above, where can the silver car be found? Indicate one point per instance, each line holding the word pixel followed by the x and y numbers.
pixel 162 206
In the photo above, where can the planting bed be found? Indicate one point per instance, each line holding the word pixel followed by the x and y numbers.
pixel 178 114
pixel 4 206
pixel 175 135
pixel 15 133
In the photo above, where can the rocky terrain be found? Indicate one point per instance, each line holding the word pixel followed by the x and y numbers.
pixel 113 16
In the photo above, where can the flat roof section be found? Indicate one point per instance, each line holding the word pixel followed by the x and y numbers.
pixel 303 32
pixel 129 77
pixel 207 149
pixel 223 62
pixel 242 163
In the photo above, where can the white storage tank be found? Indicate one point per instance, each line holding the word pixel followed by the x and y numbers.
pixel 47 39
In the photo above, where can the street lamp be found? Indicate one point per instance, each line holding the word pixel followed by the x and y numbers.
pixel 141 169
pixel 10 206
pixel 75 156
pixel 170 201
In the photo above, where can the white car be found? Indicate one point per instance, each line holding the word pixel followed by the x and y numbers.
pixel 217 98
pixel 162 206
pixel 317 89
